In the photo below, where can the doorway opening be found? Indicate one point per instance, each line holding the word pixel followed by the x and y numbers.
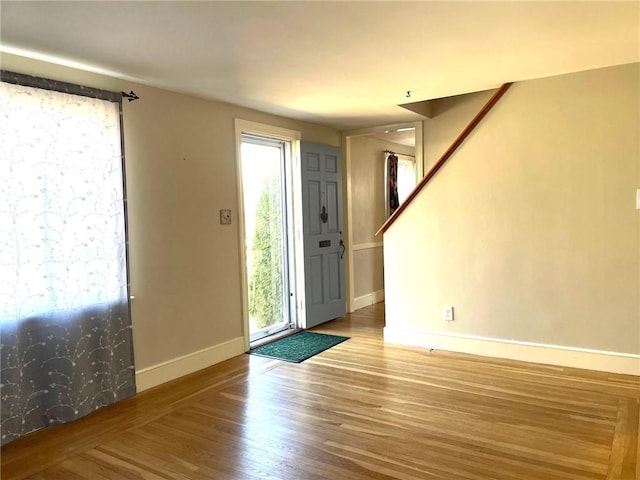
pixel 367 188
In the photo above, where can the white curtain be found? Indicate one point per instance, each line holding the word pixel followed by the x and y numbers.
pixel 64 312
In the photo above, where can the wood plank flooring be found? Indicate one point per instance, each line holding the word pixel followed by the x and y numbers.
pixel 362 410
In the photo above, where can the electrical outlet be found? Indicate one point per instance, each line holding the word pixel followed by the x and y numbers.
pixel 447 313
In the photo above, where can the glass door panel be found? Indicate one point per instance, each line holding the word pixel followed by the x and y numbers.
pixel 266 245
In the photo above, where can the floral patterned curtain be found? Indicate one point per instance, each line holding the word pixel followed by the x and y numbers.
pixel 65 344
pixel 392 182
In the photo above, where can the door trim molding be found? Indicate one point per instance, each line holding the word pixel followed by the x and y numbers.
pixel 248 127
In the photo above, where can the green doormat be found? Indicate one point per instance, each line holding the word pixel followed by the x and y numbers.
pixel 298 347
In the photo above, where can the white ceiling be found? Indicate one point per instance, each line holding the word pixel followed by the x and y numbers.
pixel 402 137
pixel 344 64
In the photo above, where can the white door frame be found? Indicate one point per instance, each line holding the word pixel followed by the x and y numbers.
pixel 297 260
pixel 346 142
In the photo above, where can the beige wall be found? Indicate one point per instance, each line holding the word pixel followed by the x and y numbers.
pixel 450 116
pixel 368 209
pixel 530 230
pixel 180 166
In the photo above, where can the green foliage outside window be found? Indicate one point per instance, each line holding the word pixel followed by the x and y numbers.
pixel 265 283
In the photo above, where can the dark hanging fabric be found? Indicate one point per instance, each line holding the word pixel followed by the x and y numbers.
pixel 392 182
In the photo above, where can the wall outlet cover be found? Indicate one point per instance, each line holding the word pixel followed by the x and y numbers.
pixel 447 313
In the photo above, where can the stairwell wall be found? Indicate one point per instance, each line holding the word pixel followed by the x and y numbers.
pixel 531 230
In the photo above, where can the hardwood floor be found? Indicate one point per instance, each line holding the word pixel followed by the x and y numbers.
pixel 362 410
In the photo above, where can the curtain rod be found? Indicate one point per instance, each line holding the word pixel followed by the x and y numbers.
pixel 403 154
pixel 65 87
pixel 131 96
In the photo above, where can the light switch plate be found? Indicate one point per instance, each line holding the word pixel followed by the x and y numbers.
pixel 638 199
pixel 225 216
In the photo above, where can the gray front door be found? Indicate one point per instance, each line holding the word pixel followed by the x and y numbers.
pixel 322 226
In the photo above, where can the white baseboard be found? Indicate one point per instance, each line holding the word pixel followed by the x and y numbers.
pixel 366 300
pixel 163 372
pixel 614 362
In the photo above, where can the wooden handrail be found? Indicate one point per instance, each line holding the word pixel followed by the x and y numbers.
pixel 445 156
